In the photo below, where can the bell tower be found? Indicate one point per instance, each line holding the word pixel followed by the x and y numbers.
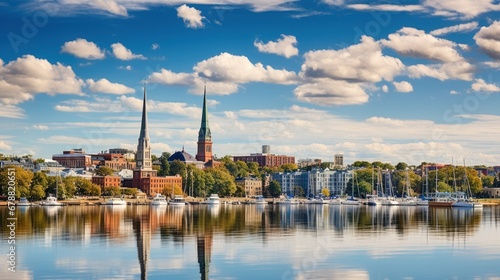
pixel 204 135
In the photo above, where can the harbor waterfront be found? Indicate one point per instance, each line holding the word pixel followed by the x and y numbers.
pixel 271 241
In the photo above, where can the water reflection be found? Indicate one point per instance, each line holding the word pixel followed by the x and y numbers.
pixel 197 225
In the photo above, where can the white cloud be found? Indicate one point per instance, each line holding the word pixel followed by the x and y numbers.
pixel 363 62
pixel 232 68
pixel 461 8
pixel 128 67
pixel 492 64
pixel 122 53
pixel 454 92
pixel 463 27
pixel 12 112
pixel 83 49
pixel 4 146
pixel 284 46
pixel 488 39
pixel 416 43
pixel 387 7
pixel 26 76
pixel 155 46
pixel 461 70
pixel 385 88
pixel 40 127
pixel 403 86
pixel 105 86
pixel 331 92
pixel 481 86
pixel 191 16
pixel 168 77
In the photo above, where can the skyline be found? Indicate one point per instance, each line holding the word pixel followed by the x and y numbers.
pixel 383 81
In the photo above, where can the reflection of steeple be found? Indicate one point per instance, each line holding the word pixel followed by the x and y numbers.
pixel 142 230
pixel 204 246
pixel 143 156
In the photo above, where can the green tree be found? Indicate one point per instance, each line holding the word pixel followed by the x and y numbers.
pixel 401 166
pixel 274 188
pixel 104 171
pixel 37 192
pixel 289 167
pixel 129 191
pixel 95 190
pixel 361 164
pixel 487 181
pixel 253 168
pixel 223 182
pixel 298 191
pixel 112 191
pixel 164 164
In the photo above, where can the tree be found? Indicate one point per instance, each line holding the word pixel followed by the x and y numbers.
pixel 487 181
pixel 176 189
pixel 104 171
pixel 223 182
pixel 274 188
pixel 21 177
pixel 164 164
pixel 289 167
pixel 112 191
pixel 401 166
pixel 360 164
pixel 325 192
pixel 253 168
pixel 129 191
pixel 37 192
pixel 298 191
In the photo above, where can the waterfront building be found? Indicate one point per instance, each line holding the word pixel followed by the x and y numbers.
pixel 107 181
pixel 312 182
pixel 115 161
pixel 266 159
pixel 251 185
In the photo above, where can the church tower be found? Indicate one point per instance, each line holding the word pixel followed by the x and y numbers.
pixel 143 163
pixel 143 155
pixel 204 135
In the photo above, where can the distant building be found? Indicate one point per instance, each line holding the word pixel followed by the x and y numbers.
pixel 251 185
pixel 185 157
pixel 308 162
pixel 107 181
pixel 338 160
pixel 115 161
pixel 49 167
pixel 75 158
pixel 266 159
pixel 127 154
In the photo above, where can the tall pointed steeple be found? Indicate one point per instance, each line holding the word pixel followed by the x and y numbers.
pixel 204 135
pixel 143 155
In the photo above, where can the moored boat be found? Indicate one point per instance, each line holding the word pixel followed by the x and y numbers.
pixel 213 199
pixel 115 201
pixel 178 200
pixel 23 201
pixel 159 199
pixel 50 201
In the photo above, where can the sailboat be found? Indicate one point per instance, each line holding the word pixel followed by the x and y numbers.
pixel 352 200
pixel 440 199
pixel 372 199
pixel 389 199
pixel 52 200
pixel 466 200
pixel 408 200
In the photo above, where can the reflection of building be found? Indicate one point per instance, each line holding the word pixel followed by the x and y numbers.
pixel 204 248
pixel 251 185
pixel 144 177
pixel 265 158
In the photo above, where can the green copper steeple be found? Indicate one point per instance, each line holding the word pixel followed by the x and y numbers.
pixel 204 134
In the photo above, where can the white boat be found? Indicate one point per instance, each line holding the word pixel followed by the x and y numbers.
pixel 288 201
pixel 465 199
pixel 178 200
pixel 388 201
pixel 213 199
pixel 23 201
pixel 466 203
pixel 159 199
pixel 50 201
pixel 351 201
pixel 115 201
pixel 335 201
pixel 372 200
pixel 260 200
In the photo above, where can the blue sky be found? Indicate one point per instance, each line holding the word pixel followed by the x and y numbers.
pixel 393 81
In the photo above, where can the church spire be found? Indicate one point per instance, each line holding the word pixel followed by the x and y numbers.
pixel 143 155
pixel 204 133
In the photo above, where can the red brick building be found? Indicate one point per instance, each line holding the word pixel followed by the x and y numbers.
pixel 269 160
pixel 75 158
pixel 107 181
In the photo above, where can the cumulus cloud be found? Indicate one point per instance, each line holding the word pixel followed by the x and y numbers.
pixel 331 92
pixel 416 43
pixel 122 53
pixel 461 70
pixel 232 68
pixel 26 76
pixel 4 146
pixel 481 86
pixel 191 16
pixel 385 88
pixel 83 49
pixel 284 46
pixel 461 8
pixel 105 86
pixel 464 27
pixel 403 86
pixel 363 62
pixel 488 39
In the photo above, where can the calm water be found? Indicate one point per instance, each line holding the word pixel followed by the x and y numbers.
pixel 253 242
